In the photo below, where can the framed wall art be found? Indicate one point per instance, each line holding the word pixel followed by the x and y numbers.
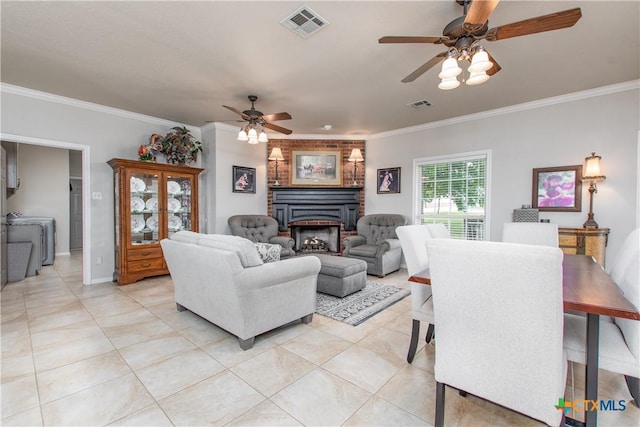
pixel 557 189
pixel 244 179
pixel 388 181
pixel 319 168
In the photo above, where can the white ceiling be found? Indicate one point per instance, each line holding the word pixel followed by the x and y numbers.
pixel 182 61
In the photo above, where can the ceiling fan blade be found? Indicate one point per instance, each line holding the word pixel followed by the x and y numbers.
pixel 496 67
pixel 479 13
pixel 276 116
pixel 553 21
pixel 411 39
pixel 238 112
pixel 278 128
pixel 424 67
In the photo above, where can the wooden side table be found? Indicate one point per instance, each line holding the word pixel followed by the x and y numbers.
pixel 584 241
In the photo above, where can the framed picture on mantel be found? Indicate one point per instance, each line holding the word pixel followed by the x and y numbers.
pixel 318 168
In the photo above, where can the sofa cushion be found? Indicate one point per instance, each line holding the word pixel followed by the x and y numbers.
pixel 268 252
pixel 367 251
pixel 244 248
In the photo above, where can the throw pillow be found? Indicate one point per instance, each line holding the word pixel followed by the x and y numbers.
pixel 268 252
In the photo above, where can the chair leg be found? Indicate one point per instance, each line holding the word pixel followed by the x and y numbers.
pixel 429 336
pixel 440 392
pixel 634 388
pixel 413 345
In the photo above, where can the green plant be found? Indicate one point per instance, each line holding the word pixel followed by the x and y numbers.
pixel 179 146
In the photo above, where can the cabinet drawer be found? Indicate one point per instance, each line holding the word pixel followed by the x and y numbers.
pixel 568 240
pixel 145 264
pixel 144 253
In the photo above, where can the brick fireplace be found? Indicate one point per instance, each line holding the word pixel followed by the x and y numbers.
pixel 307 211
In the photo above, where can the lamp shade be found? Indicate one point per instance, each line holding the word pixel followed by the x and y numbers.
pixel 448 84
pixel 450 68
pixel 592 171
pixel 276 154
pixel 480 62
pixel 477 77
pixel 356 156
pixel 242 135
pixel 263 137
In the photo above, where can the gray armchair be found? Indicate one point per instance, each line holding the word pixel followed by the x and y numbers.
pixel 376 243
pixel 261 228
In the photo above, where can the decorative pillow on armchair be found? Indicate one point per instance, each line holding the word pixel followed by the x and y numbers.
pixel 268 252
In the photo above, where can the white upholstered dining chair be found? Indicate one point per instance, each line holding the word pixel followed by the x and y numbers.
pixel 413 239
pixel 619 346
pixel 531 233
pixel 516 291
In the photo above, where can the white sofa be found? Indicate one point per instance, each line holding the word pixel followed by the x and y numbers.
pixel 223 279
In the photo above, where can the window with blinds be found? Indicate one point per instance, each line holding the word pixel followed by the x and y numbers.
pixel 453 190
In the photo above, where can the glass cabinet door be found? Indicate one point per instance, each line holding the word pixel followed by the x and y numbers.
pixel 145 218
pixel 178 203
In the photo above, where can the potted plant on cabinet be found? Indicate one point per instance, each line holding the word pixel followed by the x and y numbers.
pixel 179 146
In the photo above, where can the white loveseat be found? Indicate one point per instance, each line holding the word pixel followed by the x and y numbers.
pixel 223 279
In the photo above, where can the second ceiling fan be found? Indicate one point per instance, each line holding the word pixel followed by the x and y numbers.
pixel 463 35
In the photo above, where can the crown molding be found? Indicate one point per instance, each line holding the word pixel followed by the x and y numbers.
pixel 561 99
pixel 72 102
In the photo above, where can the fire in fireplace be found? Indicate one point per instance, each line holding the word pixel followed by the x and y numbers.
pixel 316 238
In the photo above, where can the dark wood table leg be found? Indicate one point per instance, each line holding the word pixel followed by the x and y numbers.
pixel 591 388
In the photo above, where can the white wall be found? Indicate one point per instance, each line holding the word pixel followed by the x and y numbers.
pixel 108 132
pixel 558 133
pixel 230 152
pixel 44 188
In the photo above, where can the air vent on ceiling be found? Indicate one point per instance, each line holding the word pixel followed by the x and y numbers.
pixel 304 22
pixel 420 104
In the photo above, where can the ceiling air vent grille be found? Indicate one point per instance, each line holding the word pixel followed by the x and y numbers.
pixel 420 104
pixel 304 22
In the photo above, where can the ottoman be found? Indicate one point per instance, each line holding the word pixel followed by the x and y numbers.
pixel 340 276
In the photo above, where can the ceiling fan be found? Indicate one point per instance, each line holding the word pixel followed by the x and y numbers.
pixel 258 120
pixel 463 35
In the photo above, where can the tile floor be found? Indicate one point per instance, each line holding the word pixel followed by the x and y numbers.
pixel 109 355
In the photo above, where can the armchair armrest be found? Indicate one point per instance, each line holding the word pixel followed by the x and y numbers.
pixel 353 241
pixel 388 245
pixel 284 241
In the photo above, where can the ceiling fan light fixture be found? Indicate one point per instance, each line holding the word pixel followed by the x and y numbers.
pixel 242 135
pixel 450 68
pixel 480 61
pixel 449 83
pixel 263 137
pixel 252 133
pixel 477 78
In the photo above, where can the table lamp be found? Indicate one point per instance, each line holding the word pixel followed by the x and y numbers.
pixel 276 154
pixel 355 157
pixel 593 175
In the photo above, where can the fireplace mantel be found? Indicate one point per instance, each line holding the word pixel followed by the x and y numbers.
pixel 316 203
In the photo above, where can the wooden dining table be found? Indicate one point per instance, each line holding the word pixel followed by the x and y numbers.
pixel 588 289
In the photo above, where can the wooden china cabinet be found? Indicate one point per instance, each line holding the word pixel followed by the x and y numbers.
pixel 151 202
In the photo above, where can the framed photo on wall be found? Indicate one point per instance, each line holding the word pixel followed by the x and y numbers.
pixel 317 168
pixel 388 181
pixel 557 189
pixel 244 179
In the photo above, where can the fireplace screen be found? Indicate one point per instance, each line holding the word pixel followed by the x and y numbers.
pixel 316 238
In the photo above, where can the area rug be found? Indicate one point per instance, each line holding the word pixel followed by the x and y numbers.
pixel 359 306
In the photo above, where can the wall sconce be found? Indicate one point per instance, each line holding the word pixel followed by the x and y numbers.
pixel 276 154
pixel 355 157
pixel 593 175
